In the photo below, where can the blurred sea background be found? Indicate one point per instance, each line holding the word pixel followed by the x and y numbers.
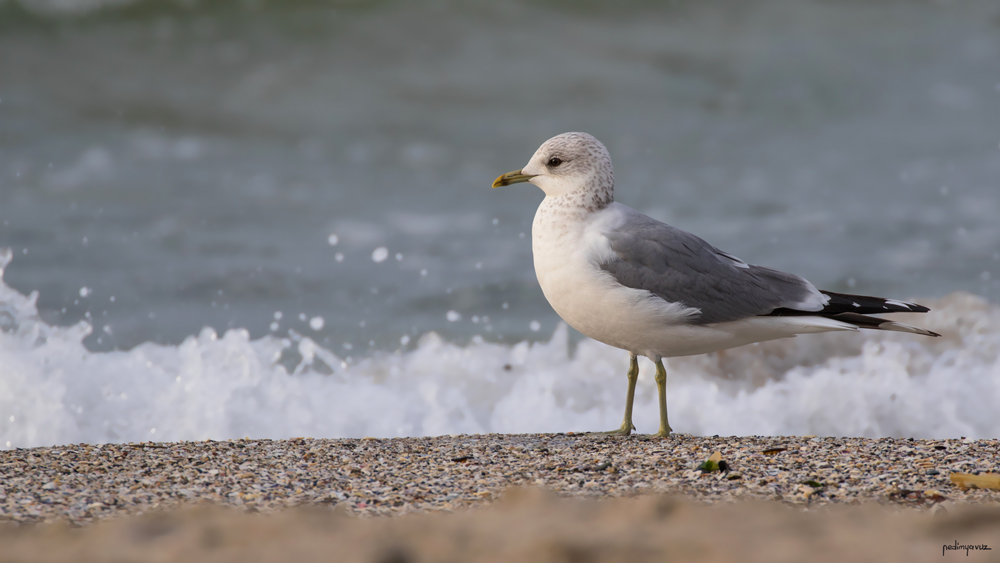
pixel 273 218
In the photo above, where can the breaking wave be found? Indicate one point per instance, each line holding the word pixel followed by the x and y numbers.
pixel 55 391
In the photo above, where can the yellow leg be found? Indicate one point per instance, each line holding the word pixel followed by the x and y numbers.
pixel 633 375
pixel 661 390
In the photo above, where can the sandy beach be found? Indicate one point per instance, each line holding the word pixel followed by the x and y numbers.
pixel 573 486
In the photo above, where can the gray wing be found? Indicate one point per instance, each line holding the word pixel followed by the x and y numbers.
pixel 682 268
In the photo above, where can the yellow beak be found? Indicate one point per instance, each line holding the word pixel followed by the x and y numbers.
pixel 509 178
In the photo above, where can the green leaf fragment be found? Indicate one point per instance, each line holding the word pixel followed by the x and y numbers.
pixel 712 463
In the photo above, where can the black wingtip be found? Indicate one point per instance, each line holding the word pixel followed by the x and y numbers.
pixel 915 308
pixel 866 305
pixel 878 323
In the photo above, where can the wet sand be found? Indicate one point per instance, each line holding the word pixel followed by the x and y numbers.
pixel 246 499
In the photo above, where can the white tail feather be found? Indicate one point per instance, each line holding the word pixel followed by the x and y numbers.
pixel 808 324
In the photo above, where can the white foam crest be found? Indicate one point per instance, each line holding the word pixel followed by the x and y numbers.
pixel 54 391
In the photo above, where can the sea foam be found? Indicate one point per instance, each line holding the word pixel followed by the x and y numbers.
pixel 55 391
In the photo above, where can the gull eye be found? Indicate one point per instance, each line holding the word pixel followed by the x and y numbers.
pixel 555 161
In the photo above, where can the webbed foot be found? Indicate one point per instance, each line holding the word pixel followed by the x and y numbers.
pixel 623 431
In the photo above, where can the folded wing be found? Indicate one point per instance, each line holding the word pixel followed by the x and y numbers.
pixel 682 268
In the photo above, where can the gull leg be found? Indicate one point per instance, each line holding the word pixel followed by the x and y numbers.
pixel 661 390
pixel 633 375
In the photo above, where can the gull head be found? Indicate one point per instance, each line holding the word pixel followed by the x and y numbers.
pixel 574 163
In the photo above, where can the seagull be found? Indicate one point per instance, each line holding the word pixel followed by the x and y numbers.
pixel 632 282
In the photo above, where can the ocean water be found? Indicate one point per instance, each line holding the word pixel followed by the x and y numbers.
pixel 271 219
